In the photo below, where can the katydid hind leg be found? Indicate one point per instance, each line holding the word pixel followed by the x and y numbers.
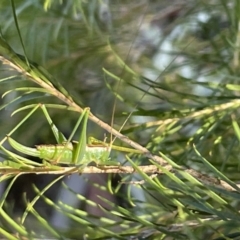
pixel 60 138
pixel 79 152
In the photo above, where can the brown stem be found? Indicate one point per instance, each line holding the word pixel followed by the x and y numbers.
pixel 149 169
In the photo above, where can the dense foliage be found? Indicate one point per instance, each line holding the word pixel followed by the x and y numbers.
pixel 173 68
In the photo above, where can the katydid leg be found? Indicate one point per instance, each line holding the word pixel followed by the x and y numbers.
pixel 60 138
pixel 80 150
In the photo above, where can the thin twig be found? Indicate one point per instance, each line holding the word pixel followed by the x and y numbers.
pixel 149 169
pixel 71 170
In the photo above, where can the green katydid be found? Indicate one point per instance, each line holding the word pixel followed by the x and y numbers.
pixel 72 152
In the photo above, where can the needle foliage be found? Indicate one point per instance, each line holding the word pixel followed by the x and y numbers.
pixel 175 68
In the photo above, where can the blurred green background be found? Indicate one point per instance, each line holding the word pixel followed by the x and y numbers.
pixel 174 65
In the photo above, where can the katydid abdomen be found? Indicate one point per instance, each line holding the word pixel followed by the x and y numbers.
pixel 65 153
pixel 59 153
